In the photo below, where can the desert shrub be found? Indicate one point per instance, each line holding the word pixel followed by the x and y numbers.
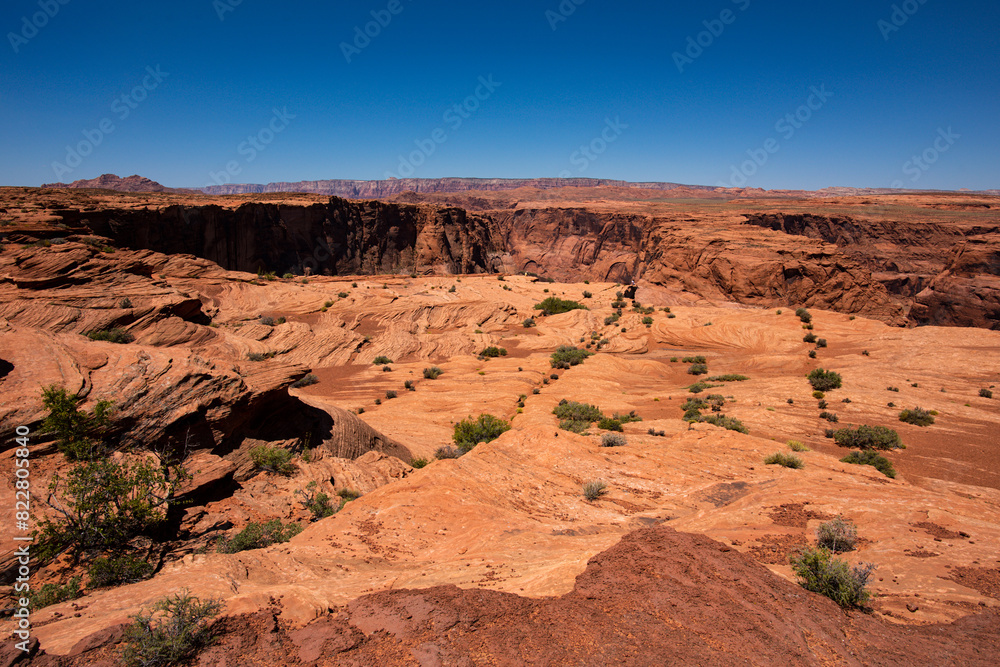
pixel 391 394
pixel 917 417
pixel 797 446
pixel 309 379
pixel 587 295
pixel 611 319
pixel 566 356
pixel 554 305
pixel 114 335
pixel 809 338
pixel 838 535
pixel 125 303
pixel 812 354
pixel 432 373
pixel 648 321
pixel 103 504
pixel 170 633
pixel 822 380
pixel 818 394
pixel 484 428
pixel 654 432
pixel 448 452
pixel 699 387
pixel 259 535
pixel 608 424
pixel 846 400
pixel 577 411
pixel 381 360
pixel 716 402
pixel 729 378
pixel 536 390
pixel 829 416
pixel 267 321
pixel 272 459
pixel 868 437
pixel 409 386
pixel 728 423
pixel 51 594
pixel 821 405
pixel 803 315
pixel 261 356
pixel 985 393
pixel 895 389
pixel 832 577
pixel 419 463
pixel 528 323
pixel 78 434
pixel 630 417
pixel 869 457
pixel 317 502
pixel 698 369
pixel 115 571
pixel 493 352
pixel 613 440
pixel 575 426
pixel 349 494
pixel 694 360
pixel 821 342
pixel 785 460
pixel 594 490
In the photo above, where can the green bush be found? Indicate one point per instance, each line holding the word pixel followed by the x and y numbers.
pixel 432 373
pixel 822 380
pixel 419 463
pixel 115 335
pixel 51 594
pixel 786 460
pixel 409 386
pixel 317 502
pixel 694 360
pixel 832 577
pixel 342 295
pixel 391 394
pixel 698 369
pixel 575 411
pixel 594 490
pixel 566 356
pixel 575 426
pixel 77 433
pixel 803 315
pixel 259 536
pixel 809 338
pixel 484 428
pixel 829 416
pixel 869 457
pixel 170 633
pixel 728 423
pixel 608 424
pixel 272 459
pixel 985 393
pixel 103 504
pixel 115 571
pixel 261 356
pixel 125 303
pixel 554 305
pixel 528 323
pixel 729 378
pixel 493 352
pixel 868 437
pixel 838 535
pixel 587 295
pixel 630 417
pixel 381 360
pixel 917 417
pixel 611 319
pixel 309 379
pixel 797 446
pixel 613 440
pixel 821 342
pixel 648 321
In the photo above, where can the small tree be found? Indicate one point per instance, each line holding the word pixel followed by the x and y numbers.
pixel 822 380
pixel 171 632
pixel 77 433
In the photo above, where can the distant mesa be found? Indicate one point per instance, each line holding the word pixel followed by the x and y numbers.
pixel 134 183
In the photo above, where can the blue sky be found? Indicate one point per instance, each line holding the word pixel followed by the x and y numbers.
pixel 773 95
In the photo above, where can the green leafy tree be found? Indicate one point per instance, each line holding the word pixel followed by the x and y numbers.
pixel 78 433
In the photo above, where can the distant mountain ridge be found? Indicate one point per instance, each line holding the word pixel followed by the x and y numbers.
pixel 134 183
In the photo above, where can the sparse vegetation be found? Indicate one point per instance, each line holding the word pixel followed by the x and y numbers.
pixel 869 457
pixel 114 335
pixel 171 633
pixel 575 411
pixel 594 490
pixel 484 428
pixel 566 356
pixel 391 394
pixel 409 386
pixel 984 393
pixel 432 373
pixel 809 338
pixel 838 535
pixel 728 423
pixel 381 360
pixel 125 303
pixel 803 315
pixel 306 381
pixel 698 369
pixel 785 460
pixel 258 536
pixel 554 306
pixel 917 417
pixel 694 360
pixel 608 424
pixel 493 352
pixel 272 459
pixel 317 502
pixel 822 380
pixel 821 573
pixel 868 437
pixel 728 378
pixel 797 446
pixel 528 323
pixel 829 416
pixel 613 440
pixel 51 594
pixel 117 570
pixel 78 434
pixel 261 356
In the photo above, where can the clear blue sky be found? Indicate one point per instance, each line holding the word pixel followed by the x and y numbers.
pixel 929 89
